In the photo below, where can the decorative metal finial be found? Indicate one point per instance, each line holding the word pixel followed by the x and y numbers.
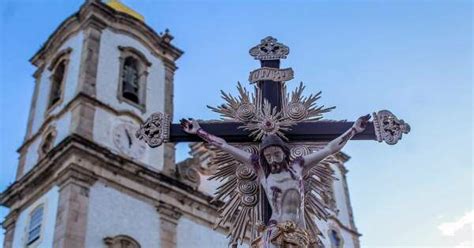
pixel 388 127
pixel 155 130
pixel 269 49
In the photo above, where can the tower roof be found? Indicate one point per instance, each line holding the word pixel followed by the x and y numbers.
pixel 116 16
pixel 119 6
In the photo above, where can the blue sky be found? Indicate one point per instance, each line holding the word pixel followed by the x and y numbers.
pixel 411 57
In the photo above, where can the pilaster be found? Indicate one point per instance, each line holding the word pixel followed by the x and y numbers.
pixel 9 226
pixel 21 164
pixel 169 217
pixel 169 166
pixel 92 30
pixel 71 218
pixel 37 75
pixel 82 121
pixel 31 117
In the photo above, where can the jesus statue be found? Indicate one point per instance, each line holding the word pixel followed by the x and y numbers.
pixel 280 177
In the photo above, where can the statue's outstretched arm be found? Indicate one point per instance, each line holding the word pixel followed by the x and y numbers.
pixel 337 144
pixel 191 126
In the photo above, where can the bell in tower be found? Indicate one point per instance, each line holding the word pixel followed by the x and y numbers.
pixel 130 79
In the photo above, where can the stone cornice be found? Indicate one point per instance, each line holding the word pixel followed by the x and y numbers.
pixel 10 219
pixel 99 14
pixel 80 158
pixel 71 105
pixel 74 174
pixel 169 212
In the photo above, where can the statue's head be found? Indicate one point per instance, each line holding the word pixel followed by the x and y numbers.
pixel 274 154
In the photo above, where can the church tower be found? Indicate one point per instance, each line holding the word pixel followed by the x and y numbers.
pixel 99 75
pixel 83 178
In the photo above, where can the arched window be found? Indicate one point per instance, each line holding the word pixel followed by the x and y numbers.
pixel 132 79
pixel 336 239
pixel 34 226
pixel 56 83
pixel 58 70
pixel 121 241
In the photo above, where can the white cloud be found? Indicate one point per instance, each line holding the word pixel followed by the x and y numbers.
pixel 465 244
pixel 450 228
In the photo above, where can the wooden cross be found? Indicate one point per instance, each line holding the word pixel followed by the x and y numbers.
pixel 269 80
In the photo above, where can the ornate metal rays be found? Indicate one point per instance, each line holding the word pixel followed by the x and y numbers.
pixel 264 120
pixel 240 192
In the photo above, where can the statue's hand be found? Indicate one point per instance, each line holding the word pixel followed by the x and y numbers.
pixel 190 126
pixel 361 123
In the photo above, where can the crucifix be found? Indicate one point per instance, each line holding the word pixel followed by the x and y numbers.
pixel 273 183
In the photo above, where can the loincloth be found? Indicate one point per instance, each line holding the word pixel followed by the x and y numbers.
pixel 283 235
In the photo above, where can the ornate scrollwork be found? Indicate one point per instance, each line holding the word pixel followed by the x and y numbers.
pixel 269 49
pixel 388 127
pixel 193 175
pixel 245 173
pixel 299 151
pixel 248 187
pixel 249 200
pixel 245 112
pixel 250 148
pixel 258 116
pixel 155 130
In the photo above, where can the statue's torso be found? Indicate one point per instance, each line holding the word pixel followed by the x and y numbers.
pixel 285 194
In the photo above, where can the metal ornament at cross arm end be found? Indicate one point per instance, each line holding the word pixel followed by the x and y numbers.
pixel 388 127
pixel 155 130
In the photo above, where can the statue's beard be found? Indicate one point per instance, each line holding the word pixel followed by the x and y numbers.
pixel 277 167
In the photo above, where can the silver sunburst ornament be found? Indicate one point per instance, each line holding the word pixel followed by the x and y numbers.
pixel 265 120
pixel 268 121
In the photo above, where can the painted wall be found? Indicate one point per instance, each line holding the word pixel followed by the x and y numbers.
pixel 191 234
pixel 63 130
pixel 112 213
pixel 208 186
pixel 70 86
pixel 105 123
pixel 50 201
pixel 107 92
pixel 342 216
pixel 109 69
pixel 72 77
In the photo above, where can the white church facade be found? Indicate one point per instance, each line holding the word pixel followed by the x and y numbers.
pixel 83 178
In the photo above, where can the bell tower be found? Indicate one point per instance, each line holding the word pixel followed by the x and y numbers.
pixel 99 75
pixel 95 75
